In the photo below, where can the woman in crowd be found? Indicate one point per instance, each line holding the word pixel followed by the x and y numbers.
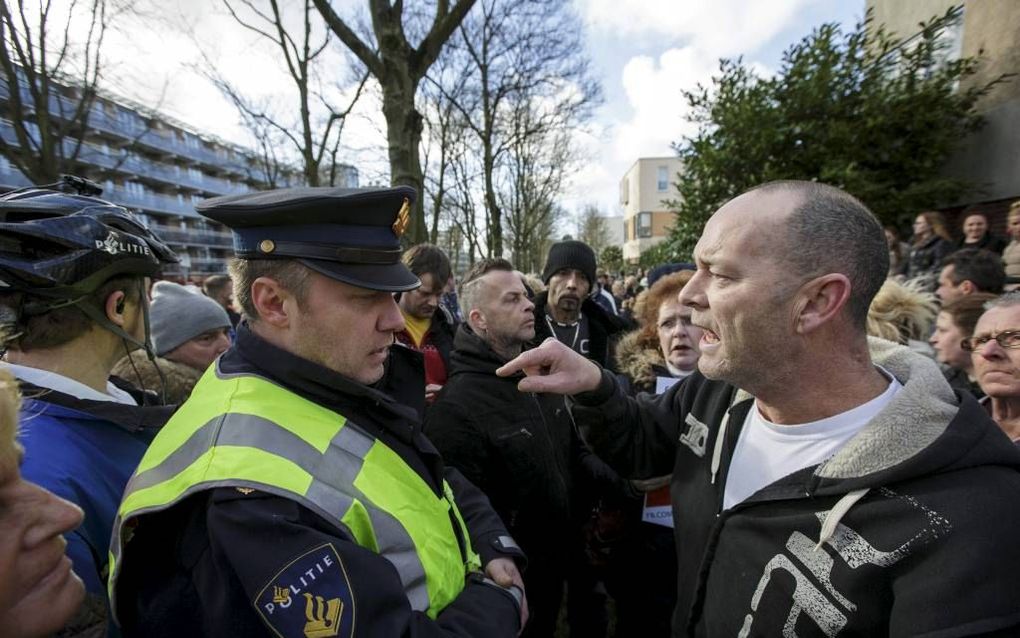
pixel 1011 255
pixel 995 350
pixel 931 245
pixel 642 567
pixel 903 313
pixel 666 345
pixel 955 324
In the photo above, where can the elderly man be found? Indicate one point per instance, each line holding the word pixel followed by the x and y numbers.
pixel 293 494
pixel 995 351
pixel 522 450
pixel 816 491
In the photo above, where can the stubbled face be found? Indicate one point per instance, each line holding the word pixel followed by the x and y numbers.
pixel 423 302
pixel 974 228
pixel 948 290
pixel 741 294
pixel 922 228
pixel 568 288
pixel 997 369
pixel 345 328
pixel 946 340
pixel 201 351
pixel 39 592
pixel 678 339
pixel 507 312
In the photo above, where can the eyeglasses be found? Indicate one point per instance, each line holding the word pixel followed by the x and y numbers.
pixel 1007 339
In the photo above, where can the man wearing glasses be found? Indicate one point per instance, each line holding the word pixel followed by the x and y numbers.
pixel 995 351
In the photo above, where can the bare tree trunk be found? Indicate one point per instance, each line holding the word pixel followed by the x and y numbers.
pixel 399 67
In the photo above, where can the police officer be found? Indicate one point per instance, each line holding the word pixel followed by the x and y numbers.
pixel 293 494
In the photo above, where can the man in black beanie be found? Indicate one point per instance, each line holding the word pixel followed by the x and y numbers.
pixel 566 311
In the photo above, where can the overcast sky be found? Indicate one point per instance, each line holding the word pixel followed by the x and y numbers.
pixel 643 51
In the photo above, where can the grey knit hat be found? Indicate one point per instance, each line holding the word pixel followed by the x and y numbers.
pixel 177 315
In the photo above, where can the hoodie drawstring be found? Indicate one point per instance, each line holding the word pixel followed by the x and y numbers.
pixel 720 436
pixel 838 511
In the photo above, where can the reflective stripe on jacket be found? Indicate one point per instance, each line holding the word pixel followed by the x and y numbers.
pixel 245 431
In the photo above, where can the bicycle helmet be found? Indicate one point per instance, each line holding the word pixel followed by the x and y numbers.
pixel 63 246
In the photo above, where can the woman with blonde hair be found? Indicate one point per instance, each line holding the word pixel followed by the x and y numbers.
pixel 932 243
pixel 901 312
pixel 1011 255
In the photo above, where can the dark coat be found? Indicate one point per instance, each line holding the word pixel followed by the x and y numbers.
pixel 921 542
pixel 523 450
pixel 926 260
pixel 988 241
pixel 604 329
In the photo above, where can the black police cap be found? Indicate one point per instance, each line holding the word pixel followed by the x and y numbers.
pixel 348 234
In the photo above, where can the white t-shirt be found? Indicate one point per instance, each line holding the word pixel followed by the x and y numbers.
pixel 67 385
pixel 767 452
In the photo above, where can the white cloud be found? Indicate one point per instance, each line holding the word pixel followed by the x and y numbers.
pixel 695 34
pixel 719 27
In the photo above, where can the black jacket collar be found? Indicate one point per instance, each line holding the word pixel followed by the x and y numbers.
pixel 385 400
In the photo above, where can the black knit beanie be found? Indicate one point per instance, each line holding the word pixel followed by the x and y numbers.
pixel 570 254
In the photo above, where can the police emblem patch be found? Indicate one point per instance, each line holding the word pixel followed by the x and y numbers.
pixel 311 597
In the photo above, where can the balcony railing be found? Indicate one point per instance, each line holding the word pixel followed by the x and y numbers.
pixel 131 127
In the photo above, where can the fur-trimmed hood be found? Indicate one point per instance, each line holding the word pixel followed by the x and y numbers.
pixel 641 365
pixel 179 378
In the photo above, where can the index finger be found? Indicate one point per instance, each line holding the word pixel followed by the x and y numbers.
pixel 526 361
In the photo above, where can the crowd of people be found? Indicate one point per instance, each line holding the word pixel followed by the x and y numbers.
pixel 810 430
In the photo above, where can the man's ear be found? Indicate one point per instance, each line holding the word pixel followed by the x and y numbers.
pixel 116 304
pixel 274 304
pixel 477 320
pixel 967 287
pixel 820 300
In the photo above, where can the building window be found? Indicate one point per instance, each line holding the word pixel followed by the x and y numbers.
pixel 662 183
pixel 644 225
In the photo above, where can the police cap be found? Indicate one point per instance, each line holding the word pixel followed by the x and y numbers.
pixel 348 234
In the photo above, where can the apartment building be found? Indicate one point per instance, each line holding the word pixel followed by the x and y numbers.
pixel 159 168
pixel 644 191
pixel 990 157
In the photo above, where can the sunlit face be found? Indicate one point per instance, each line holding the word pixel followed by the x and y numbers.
pixel 567 289
pixel 997 369
pixel 678 339
pixel 974 228
pixel 423 302
pixel 1013 225
pixel 922 228
pixel 199 352
pixel 946 340
pixel 345 328
pixel 39 592
pixel 741 293
pixel 506 314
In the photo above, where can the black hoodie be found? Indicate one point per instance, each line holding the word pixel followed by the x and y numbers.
pixel 909 529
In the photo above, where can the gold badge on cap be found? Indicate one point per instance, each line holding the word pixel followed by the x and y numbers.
pixel 403 218
pixel 267 245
